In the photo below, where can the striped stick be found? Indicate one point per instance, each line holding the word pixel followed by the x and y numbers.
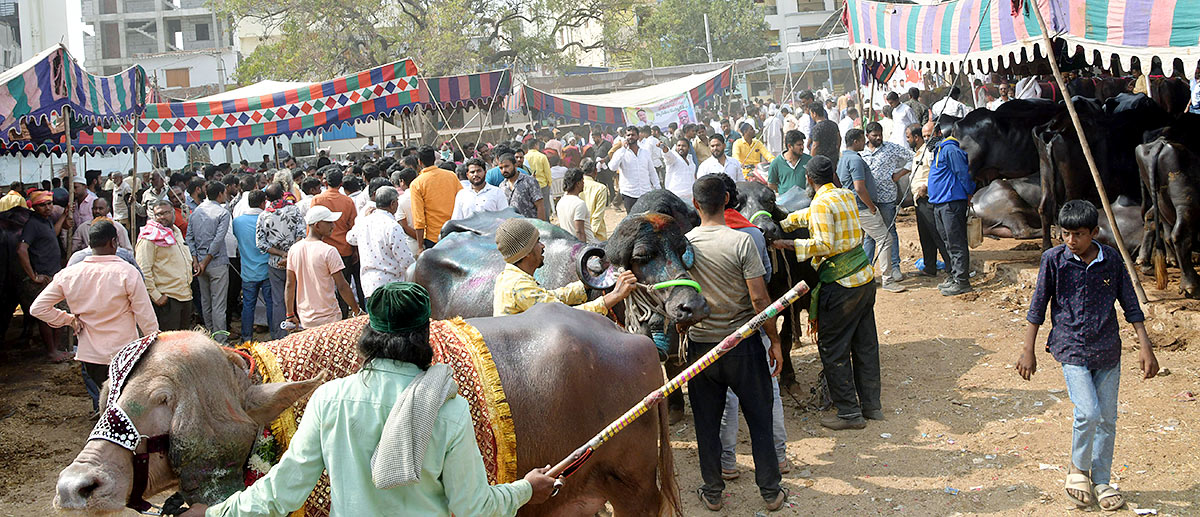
pixel 576 459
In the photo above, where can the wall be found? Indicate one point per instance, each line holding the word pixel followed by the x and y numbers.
pixel 203 67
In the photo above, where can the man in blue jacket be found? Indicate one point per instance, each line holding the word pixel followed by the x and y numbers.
pixel 950 188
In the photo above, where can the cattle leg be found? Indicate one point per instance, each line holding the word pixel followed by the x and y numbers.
pixel 1182 239
pixel 630 484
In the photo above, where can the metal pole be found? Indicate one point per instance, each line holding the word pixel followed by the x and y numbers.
pixel 131 206
pixel 69 177
pixel 829 69
pixel 1087 153
pixel 707 39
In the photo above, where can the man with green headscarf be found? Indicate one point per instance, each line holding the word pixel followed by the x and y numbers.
pixel 394 437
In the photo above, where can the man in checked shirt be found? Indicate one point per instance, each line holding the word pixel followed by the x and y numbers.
pixel 843 302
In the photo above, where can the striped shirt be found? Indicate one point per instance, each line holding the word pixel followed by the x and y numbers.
pixel 832 222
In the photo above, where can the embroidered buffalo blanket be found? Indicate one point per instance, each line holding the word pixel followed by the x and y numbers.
pixel 333 349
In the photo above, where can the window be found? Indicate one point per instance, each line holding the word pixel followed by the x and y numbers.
pixel 201 32
pixel 179 78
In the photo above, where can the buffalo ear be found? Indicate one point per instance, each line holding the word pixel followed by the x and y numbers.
pixel 264 402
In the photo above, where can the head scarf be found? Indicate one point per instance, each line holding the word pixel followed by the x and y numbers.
pixel 160 235
pixel 287 199
pixel 398 307
pixel 40 196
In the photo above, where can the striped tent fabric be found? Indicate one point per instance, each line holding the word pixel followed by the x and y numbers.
pixel 546 103
pixel 461 91
pixel 363 96
pixel 712 87
pixel 986 35
pixel 34 92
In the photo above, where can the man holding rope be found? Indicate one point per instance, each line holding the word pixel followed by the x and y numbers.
pixel 843 303
pixel 730 274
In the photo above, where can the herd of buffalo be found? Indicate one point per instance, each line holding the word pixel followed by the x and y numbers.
pixel 1027 160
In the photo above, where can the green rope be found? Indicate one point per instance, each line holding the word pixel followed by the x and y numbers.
pixel 678 282
pixel 758 213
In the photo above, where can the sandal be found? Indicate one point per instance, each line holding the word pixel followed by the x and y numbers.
pixel 1107 493
pixel 730 474
pixel 1080 482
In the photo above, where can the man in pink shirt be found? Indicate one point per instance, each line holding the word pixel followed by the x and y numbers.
pixel 314 274
pixel 108 297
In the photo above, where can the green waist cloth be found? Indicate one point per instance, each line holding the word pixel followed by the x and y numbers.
pixel 836 268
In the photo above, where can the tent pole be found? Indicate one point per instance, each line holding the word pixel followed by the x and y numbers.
pixel 1087 153
pixel 133 197
pixel 275 150
pixel 69 176
pixel 855 63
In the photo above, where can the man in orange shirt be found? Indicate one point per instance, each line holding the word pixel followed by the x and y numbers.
pixel 433 194
pixel 340 203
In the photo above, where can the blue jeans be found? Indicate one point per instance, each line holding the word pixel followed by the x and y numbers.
pixel 250 290
pixel 888 212
pixel 1094 393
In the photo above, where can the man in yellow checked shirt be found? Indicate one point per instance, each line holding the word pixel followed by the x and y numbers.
pixel 750 151
pixel 516 290
pixel 844 299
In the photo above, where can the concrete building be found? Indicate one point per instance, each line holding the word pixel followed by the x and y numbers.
pixel 124 30
pixel 31 26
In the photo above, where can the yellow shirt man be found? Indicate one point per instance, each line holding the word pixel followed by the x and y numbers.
pixel 596 197
pixel 539 165
pixel 516 291
pixel 751 153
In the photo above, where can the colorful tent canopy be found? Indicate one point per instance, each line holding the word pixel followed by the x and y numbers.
pixel 34 92
pixel 269 109
pixel 984 35
pixel 460 91
pixel 608 109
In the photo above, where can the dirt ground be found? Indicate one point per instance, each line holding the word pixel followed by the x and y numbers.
pixel 964 436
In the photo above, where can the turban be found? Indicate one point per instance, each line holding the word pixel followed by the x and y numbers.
pixel 398 307
pixel 40 196
pixel 515 238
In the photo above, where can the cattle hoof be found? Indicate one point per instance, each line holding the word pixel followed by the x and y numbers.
pixel 674 416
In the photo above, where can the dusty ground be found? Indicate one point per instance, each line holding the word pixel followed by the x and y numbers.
pixel 959 417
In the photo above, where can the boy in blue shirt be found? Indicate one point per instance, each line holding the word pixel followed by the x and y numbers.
pixel 1080 280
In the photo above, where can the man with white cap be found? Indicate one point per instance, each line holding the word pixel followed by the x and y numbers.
pixel 84 197
pixel 314 273
pixel 516 290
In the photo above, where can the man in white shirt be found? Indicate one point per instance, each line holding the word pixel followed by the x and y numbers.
pixel 718 163
pixel 902 117
pixel 681 170
pixel 950 105
pixel 635 165
pixel 773 133
pixel 1005 96
pixel 382 249
pixel 651 142
pixel 370 146
pixel 572 210
pixel 481 196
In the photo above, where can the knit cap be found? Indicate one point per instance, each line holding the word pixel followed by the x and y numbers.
pixel 515 238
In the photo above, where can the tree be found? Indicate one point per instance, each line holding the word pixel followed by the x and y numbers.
pixel 324 38
pixel 673 33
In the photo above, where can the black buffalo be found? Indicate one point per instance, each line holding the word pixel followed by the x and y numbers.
pixel 1113 129
pixel 999 144
pixel 753 199
pixel 1170 175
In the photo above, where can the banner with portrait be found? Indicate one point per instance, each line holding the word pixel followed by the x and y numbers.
pixel 678 109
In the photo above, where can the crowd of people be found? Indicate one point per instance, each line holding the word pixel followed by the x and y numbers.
pixel 300 246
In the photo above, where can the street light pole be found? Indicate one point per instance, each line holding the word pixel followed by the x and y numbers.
pixel 707 39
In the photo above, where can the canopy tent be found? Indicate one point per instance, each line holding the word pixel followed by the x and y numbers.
pixel 34 95
pixel 650 104
pixel 986 35
pixel 461 91
pixel 261 111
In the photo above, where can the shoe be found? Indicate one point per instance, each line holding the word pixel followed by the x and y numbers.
pixel 777 503
pixel 897 275
pixel 946 283
pixel 873 414
pixel 922 272
pixel 892 287
pixel 708 503
pixel 730 474
pixel 838 423
pixel 956 289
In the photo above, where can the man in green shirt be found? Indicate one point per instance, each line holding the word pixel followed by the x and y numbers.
pixel 787 170
pixel 371 473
